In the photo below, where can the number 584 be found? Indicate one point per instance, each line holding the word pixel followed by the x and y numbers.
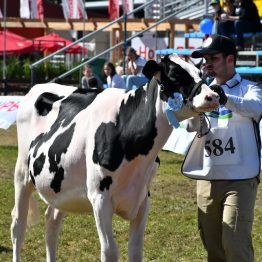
pixel 218 148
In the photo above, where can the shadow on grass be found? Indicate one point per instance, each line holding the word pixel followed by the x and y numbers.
pixel 5 249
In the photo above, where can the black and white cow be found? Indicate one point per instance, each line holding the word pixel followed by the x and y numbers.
pixel 89 150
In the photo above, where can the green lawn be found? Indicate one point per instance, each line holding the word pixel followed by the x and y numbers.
pixel 171 233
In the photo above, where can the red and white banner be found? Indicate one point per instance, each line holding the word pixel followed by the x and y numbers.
pixel 37 9
pixel 74 9
pixel 31 9
pixel 8 110
pixel 113 9
pixel 128 6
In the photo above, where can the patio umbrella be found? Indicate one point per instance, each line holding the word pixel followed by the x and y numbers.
pixel 53 42
pixel 15 44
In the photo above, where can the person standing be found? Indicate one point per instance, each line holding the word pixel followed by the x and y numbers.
pixel 226 160
pixel 113 79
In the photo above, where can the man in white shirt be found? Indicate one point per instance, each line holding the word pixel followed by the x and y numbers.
pixel 226 161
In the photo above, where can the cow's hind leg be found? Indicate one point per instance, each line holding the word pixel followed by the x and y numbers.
pixel 103 216
pixel 23 193
pixel 53 219
pixel 136 233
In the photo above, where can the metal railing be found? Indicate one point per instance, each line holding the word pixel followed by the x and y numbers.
pixel 123 43
pixel 82 39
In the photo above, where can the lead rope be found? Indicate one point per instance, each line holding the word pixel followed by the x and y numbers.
pixel 200 133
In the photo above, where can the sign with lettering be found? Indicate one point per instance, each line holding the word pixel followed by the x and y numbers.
pixel 8 110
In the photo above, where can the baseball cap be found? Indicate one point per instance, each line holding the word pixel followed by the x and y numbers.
pixel 214 2
pixel 216 44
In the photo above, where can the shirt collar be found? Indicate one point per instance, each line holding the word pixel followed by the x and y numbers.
pixel 234 81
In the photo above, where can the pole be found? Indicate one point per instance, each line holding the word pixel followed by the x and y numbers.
pixel 4 52
pixel 125 44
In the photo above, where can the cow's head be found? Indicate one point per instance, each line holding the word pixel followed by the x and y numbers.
pixel 176 75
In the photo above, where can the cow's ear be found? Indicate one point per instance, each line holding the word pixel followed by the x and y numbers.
pixel 150 68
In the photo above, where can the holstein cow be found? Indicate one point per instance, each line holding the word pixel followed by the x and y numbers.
pixel 88 150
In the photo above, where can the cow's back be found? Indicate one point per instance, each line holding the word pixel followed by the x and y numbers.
pixel 27 115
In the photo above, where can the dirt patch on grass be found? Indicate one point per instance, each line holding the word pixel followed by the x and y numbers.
pixel 8 137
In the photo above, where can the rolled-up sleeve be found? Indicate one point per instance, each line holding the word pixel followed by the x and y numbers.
pixel 250 105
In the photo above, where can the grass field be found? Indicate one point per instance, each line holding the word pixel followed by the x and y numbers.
pixel 171 234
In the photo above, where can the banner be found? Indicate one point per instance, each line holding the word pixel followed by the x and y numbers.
pixel 8 110
pixel 128 6
pixel 113 9
pixel 31 9
pixel 73 9
pixel 24 9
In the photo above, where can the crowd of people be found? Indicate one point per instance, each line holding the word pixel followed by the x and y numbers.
pixel 234 18
pixel 129 78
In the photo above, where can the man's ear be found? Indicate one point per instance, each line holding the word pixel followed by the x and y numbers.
pixel 150 68
pixel 231 59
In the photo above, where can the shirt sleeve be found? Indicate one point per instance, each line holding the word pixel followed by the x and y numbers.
pixel 250 105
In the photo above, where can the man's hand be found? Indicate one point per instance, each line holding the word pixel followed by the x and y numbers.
pixel 221 93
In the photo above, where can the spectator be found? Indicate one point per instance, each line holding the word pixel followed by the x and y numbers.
pixel 217 12
pixel 225 163
pixel 135 63
pixel 88 73
pixel 226 7
pixel 112 78
pixel 245 19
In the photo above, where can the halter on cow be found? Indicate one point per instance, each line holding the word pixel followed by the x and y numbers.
pixel 85 150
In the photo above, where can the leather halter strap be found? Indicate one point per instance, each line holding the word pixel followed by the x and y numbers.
pixel 195 89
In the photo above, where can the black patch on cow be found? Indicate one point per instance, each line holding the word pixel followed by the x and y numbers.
pixel 44 103
pixel 38 164
pixel 132 134
pixel 59 147
pixel 69 108
pixel 88 90
pixel 175 79
pixel 105 183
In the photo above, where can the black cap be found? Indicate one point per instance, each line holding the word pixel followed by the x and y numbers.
pixel 216 44
pixel 214 2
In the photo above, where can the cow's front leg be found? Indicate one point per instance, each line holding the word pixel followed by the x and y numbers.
pixel 103 213
pixel 53 219
pixel 136 233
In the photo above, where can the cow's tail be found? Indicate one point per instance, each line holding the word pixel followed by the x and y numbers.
pixel 33 212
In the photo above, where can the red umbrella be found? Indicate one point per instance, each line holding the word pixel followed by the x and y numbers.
pixel 15 44
pixel 53 42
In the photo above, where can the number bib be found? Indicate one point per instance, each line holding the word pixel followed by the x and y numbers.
pixel 221 148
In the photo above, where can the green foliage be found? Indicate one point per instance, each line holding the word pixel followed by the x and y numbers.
pixel 14 70
pixel 27 69
pixel 171 233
